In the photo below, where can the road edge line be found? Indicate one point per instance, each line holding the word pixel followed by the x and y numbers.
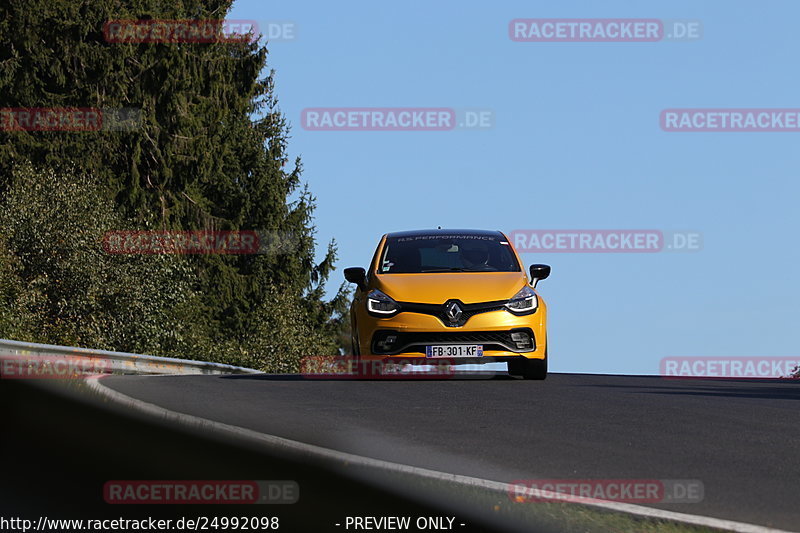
pixel 196 422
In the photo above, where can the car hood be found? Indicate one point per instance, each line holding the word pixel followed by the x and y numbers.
pixel 437 288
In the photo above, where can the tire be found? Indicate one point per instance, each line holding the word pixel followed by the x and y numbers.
pixel 529 368
pixel 364 369
pixel 354 338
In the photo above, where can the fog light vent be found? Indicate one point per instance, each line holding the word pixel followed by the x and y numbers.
pixel 521 339
pixel 387 343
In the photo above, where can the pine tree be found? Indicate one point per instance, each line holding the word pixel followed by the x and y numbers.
pixel 209 150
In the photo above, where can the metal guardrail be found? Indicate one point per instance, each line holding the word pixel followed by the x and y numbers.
pixel 116 362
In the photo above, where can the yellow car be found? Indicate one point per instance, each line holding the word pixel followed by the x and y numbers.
pixel 459 296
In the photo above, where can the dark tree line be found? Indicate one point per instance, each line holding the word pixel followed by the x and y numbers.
pixel 206 150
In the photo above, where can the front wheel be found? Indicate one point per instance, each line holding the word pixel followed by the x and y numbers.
pixel 355 347
pixel 529 368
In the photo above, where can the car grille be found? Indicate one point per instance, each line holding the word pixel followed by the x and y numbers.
pixel 438 310
pixel 415 342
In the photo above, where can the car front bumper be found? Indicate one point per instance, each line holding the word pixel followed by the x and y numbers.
pixel 414 331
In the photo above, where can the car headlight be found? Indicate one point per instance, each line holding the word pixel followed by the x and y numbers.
pixel 381 304
pixel 524 302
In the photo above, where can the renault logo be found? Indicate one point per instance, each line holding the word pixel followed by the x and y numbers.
pixel 453 311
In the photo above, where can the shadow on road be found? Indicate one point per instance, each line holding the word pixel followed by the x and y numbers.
pixel 774 389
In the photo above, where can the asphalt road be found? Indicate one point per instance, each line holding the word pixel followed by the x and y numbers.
pixel 739 438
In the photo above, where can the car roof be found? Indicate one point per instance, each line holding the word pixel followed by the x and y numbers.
pixel 421 232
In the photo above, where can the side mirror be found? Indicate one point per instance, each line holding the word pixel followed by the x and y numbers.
pixel 356 275
pixel 538 273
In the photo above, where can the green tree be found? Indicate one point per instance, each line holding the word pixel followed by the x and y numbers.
pixel 58 284
pixel 209 150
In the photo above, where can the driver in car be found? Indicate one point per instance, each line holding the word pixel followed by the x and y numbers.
pixel 475 256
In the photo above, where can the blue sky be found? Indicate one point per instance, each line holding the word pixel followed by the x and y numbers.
pixel 576 143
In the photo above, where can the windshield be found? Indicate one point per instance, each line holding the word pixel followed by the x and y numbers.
pixel 447 253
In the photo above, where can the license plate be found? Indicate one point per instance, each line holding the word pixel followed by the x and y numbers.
pixel 454 350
